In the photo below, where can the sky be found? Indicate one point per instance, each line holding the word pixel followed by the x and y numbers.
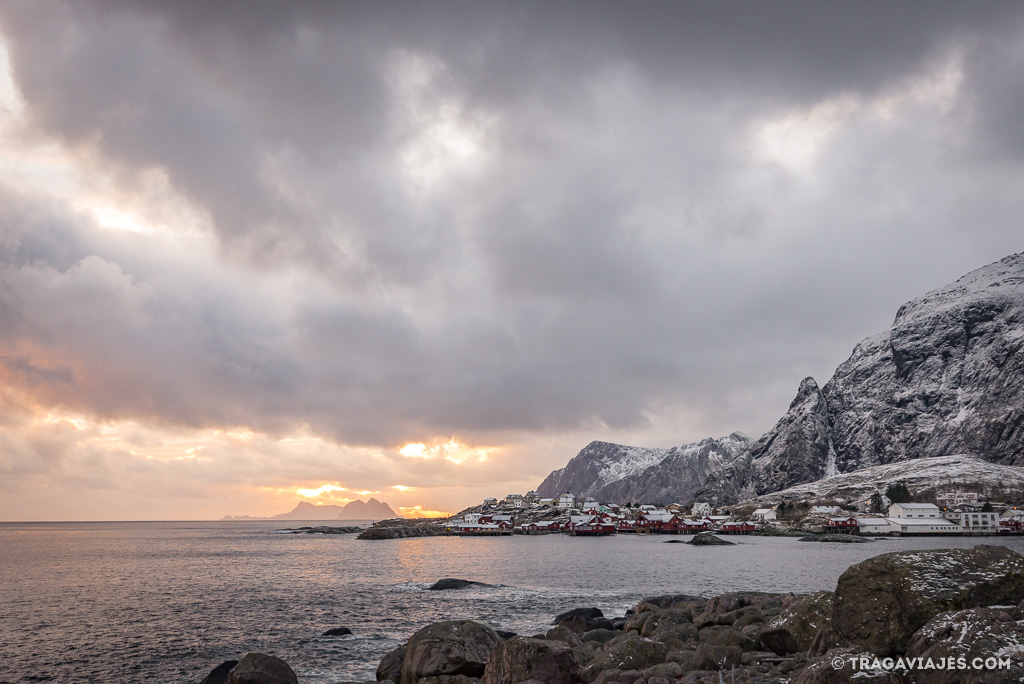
pixel 253 253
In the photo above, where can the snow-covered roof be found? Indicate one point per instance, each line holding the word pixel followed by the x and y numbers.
pixel 873 521
pixel 916 506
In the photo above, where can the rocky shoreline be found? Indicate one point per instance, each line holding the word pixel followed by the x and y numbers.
pixel 939 617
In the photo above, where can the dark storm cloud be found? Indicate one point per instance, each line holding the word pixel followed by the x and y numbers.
pixel 618 249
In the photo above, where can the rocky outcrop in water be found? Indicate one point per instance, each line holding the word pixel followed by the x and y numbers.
pixel 399 528
pixel 613 472
pixel 452 583
pixel 946 378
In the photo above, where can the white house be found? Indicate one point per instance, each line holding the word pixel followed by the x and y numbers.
pixel 764 514
pixel 873 526
pixel 514 500
pixel 911 526
pixel 566 500
pixel 700 509
pixel 591 505
pixel 977 522
pixel 956 498
pixel 914 510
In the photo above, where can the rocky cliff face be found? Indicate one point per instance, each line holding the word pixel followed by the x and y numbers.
pixel 946 378
pixel 613 472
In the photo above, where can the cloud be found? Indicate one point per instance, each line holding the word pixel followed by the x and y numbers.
pixel 524 226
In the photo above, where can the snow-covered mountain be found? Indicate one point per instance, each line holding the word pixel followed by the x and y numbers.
pixel 613 472
pixel 946 378
pixel 942 473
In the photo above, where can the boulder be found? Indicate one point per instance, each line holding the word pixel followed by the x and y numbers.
pixel 599 636
pixel 337 631
pixel 585 613
pixel 716 657
pixel 565 635
pixel 449 679
pixel 259 668
pixel 794 629
pixel 836 667
pixel 520 659
pixel 688 601
pixel 219 674
pixel 629 653
pixel 452 647
pixel 973 633
pixel 390 666
pixel 882 601
pixel 665 619
pixel 450 583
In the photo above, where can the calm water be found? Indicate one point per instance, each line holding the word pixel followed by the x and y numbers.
pixel 166 602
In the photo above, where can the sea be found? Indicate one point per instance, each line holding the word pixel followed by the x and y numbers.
pixel 125 602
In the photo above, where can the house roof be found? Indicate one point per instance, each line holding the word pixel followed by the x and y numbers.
pixel 916 505
pixel 910 522
pixel 872 521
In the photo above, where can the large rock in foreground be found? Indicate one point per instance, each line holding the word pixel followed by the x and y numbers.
pixel 259 668
pixel 976 633
pixel 882 601
pixel 802 617
pixel 540 660
pixel 453 647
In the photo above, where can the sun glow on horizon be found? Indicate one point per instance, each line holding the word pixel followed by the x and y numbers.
pixel 420 512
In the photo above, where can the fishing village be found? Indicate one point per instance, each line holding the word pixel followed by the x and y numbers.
pixel 952 514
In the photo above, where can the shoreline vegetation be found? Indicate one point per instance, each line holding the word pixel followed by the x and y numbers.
pixel 924 617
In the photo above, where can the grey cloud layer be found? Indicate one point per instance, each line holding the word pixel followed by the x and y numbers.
pixel 618 251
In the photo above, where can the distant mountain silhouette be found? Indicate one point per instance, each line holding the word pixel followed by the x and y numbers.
pixel 354 510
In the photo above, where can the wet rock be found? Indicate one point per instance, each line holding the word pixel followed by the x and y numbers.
pixel 390 666
pixel 452 647
pixel 520 659
pixel 259 668
pixel 836 538
pixel 802 617
pixel 709 539
pixel 505 634
pixel 975 633
pixel 452 583
pixel 337 631
pixel 882 601
pixel 585 613
pixel 219 674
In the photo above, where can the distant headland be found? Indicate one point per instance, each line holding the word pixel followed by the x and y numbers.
pixel 354 510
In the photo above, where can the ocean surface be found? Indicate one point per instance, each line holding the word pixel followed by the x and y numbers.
pixel 166 602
